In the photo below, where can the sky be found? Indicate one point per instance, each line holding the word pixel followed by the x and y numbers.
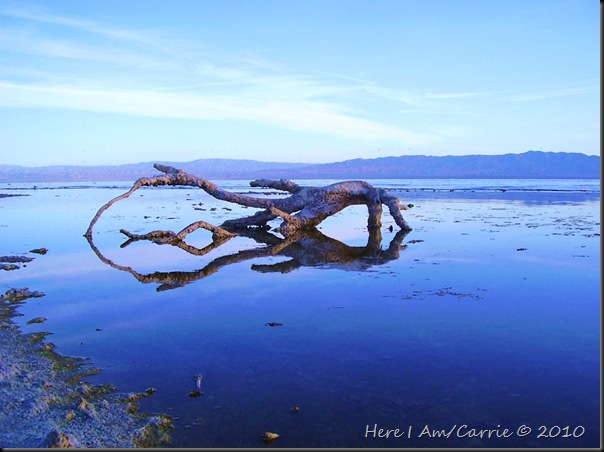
pixel 310 81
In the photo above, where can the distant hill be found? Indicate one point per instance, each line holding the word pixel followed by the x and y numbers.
pixel 207 168
pixel 527 165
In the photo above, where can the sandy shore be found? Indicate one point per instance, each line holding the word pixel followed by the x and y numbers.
pixel 45 403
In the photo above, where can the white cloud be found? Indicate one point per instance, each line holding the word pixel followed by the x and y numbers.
pixel 177 82
pixel 554 93
pixel 41 16
pixel 297 114
pixel 454 95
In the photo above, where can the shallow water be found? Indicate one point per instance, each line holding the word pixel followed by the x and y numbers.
pixel 489 317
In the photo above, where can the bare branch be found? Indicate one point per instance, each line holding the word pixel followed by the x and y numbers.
pixel 305 208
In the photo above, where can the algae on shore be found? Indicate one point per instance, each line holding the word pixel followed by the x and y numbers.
pixel 45 403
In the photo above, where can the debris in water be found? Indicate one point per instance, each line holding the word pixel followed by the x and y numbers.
pixel 270 436
pixel 37 320
pixel 198 379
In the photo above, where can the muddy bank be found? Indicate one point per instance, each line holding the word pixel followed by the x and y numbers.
pixel 6 195
pixel 44 401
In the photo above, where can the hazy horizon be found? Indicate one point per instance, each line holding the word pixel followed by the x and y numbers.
pixel 294 163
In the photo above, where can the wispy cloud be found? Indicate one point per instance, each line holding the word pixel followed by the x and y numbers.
pixel 177 78
pixel 26 43
pixel 464 95
pixel 40 15
pixel 429 102
pixel 186 83
pixel 554 93
pixel 298 115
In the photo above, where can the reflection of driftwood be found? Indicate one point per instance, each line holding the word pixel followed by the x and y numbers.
pixel 304 248
pixel 305 208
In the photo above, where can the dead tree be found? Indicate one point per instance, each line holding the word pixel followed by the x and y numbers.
pixel 305 208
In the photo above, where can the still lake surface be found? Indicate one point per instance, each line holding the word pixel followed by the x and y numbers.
pixel 488 316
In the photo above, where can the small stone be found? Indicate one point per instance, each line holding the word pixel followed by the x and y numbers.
pixel 87 408
pixel 58 439
pixel 270 436
pixel 37 320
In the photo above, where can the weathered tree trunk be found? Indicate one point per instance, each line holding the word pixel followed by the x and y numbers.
pixel 305 208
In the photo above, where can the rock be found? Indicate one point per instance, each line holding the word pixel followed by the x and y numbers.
pixel 14 259
pixel 39 251
pixel 270 436
pixel 155 433
pixel 59 439
pixel 17 295
pixel 87 408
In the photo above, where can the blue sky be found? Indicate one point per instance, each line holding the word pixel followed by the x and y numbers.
pixel 112 82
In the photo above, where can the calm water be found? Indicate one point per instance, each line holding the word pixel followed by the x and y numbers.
pixel 488 316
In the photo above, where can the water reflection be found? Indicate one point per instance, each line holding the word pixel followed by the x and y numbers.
pixel 308 248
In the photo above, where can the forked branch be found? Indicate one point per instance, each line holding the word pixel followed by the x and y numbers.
pixel 305 208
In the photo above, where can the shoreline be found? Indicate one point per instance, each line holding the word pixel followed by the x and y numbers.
pixel 45 402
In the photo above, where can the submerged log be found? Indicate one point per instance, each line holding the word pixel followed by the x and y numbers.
pixel 305 208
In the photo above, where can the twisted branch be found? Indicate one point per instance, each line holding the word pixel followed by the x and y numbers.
pixel 306 208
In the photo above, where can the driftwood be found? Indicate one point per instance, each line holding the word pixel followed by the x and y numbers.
pixel 305 208
pixel 301 212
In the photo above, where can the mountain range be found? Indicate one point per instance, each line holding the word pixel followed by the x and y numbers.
pixel 527 165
